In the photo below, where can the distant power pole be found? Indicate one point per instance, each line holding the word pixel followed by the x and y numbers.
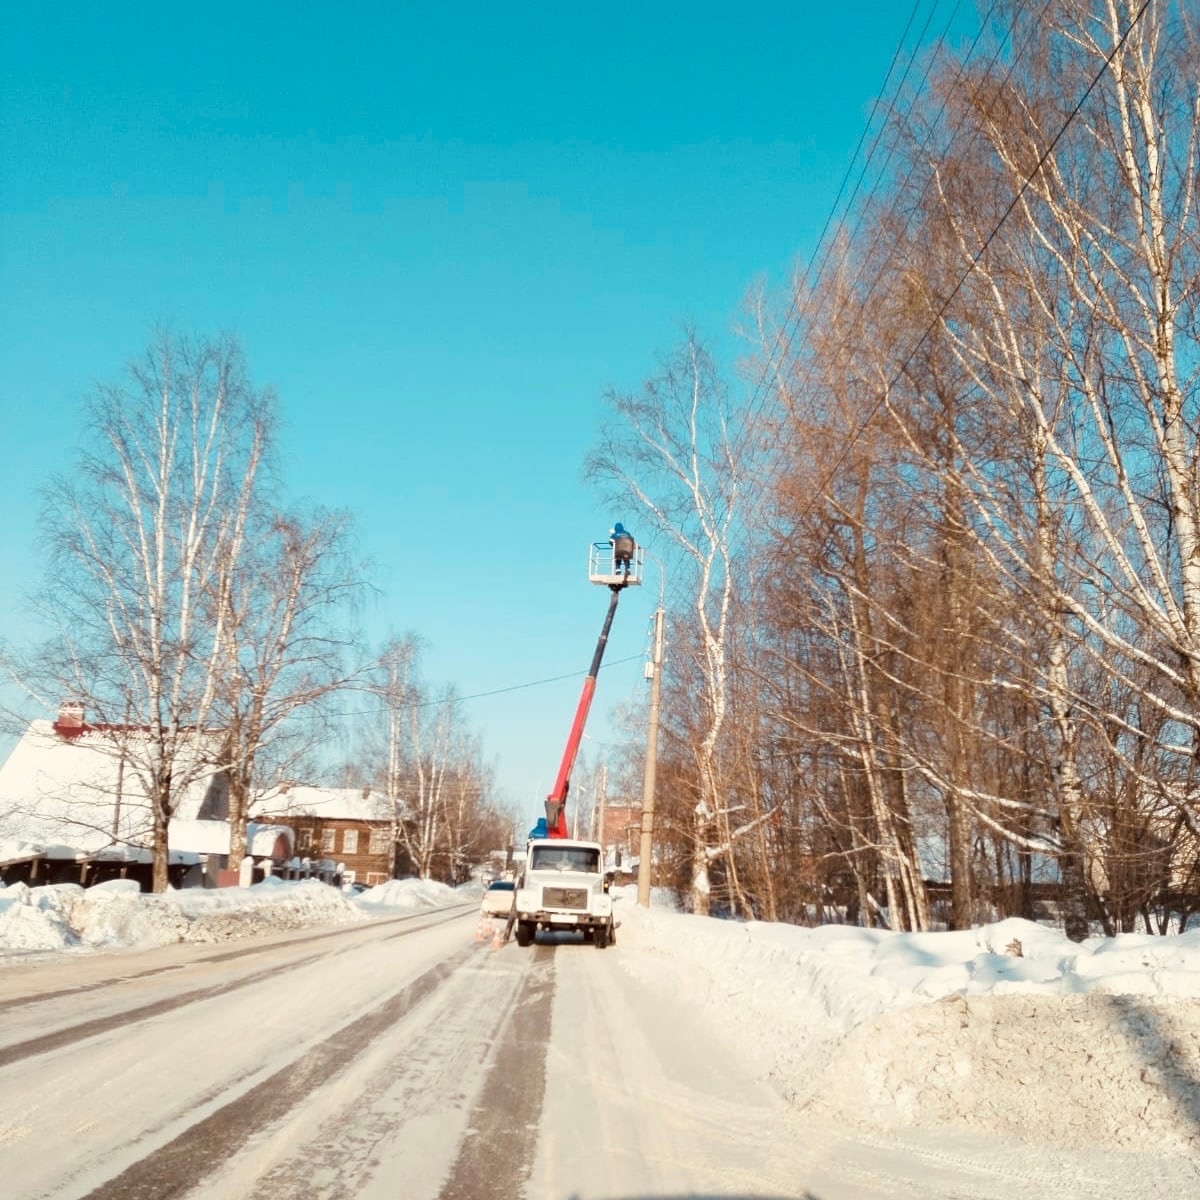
pixel 601 803
pixel 645 847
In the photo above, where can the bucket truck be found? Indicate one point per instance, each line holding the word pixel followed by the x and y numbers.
pixel 563 885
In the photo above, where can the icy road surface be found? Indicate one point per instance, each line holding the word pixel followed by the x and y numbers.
pixel 404 1059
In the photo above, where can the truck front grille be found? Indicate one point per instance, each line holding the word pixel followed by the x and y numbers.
pixel 562 897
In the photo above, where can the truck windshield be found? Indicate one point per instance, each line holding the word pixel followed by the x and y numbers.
pixel 565 858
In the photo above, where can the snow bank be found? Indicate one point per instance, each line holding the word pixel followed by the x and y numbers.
pixel 1077 1071
pixel 412 895
pixel 1009 1027
pixel 64 917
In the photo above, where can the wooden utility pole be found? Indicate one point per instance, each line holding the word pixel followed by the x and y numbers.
pixel 645 847
pixel 600 805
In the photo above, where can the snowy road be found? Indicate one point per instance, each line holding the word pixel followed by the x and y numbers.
pixel 403 1059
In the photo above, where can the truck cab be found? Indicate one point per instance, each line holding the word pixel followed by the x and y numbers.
pixel 563 886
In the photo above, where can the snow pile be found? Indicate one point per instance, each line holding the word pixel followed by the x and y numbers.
pixel 1008 1027
pixel 412 895
pixel 1076 1070
pixel 32 919
pixel 116 914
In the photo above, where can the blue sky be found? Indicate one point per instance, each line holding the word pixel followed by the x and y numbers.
pixel 441 234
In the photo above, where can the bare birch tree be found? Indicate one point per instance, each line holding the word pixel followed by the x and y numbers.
pixel 846 582
pixel 438 788
pixel 396 687
pixel 1076 321
pixel 283 609
pixel 152 516
pixel 675 451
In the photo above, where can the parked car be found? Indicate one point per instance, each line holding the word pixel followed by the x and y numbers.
pixel 498 898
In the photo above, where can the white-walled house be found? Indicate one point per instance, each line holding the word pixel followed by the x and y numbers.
pixel 72 806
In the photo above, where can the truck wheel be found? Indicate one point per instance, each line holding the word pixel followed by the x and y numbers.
pixel 601 937
pixel 525 933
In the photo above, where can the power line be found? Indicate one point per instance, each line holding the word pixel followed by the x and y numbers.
pixel 516 687
pixel 857 433
pixel 794 311
pixel 880 270
pixel 799 313
pixel 782 345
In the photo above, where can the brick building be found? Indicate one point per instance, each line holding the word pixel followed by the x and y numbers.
pixel 621 838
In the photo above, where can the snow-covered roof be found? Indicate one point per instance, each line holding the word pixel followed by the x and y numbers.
pixel 15 850
pixel 79 790
pixel 334 804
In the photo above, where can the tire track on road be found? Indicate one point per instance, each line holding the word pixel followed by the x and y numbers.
pixel 496 1157
pixel 175 1169
pixel 86 1029
pixel 255 946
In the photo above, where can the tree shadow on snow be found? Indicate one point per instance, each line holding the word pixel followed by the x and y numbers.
pixel 1167 1066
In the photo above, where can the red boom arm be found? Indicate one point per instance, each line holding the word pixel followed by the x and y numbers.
pixel 556 802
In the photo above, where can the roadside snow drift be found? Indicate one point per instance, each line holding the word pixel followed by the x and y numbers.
pixel 1009 1027
pixel 116 914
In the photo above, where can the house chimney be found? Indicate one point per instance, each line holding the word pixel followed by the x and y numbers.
pixel 70 719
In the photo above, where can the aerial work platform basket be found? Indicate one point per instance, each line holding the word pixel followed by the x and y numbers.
pixel 608 566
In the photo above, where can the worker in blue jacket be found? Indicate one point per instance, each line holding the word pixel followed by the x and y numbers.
pixel 623 547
